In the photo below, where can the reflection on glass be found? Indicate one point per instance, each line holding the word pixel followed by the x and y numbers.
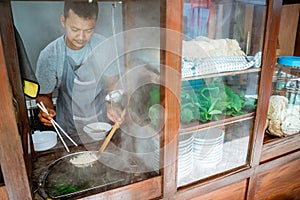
pixel 133 56
pixel 214 150
pixel 284 105
pixel 221 61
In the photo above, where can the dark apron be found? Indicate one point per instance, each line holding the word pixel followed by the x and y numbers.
pixel 64 112
pixel 79 102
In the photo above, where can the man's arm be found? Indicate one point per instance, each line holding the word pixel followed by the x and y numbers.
pixel 111 83
pixel 47 101
pixel 114 114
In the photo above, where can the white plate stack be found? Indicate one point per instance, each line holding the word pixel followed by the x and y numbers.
pixel 185 155
pixel 208 146
pixel 154 158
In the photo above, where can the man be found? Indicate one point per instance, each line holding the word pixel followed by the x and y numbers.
pixel 60 61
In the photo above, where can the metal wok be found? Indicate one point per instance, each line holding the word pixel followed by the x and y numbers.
pixel 62 180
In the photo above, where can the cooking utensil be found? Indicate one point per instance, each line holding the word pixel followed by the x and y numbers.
pixel 55 125
pixel 107 139
pixel 111 133
pixel 63 180
pixel 118 99
pixel 89 158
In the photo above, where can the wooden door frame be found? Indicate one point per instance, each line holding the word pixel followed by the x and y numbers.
pixel 11 152
pixel 15 148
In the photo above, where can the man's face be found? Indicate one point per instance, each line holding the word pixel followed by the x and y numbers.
pixel 78 30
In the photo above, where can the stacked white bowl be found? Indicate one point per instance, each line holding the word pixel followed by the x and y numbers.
pixel 208 146
pixel 155 154
pixel 185 155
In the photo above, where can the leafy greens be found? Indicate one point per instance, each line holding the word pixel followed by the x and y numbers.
pixel 209 102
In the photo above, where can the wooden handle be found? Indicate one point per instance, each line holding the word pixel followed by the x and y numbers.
pixel 111 133
pixel 107 139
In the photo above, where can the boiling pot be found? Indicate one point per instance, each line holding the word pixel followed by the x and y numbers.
pixel 63 180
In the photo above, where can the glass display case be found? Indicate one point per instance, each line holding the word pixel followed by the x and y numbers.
pixel 221 65
pixel 135 63
pixel 283 112
pixel 282 136
pixel 196 81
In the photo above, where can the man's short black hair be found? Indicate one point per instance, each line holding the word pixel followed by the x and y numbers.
pixel 84 10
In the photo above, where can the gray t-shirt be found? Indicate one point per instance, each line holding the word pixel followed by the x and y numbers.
pixel 51 61
pixel 94 63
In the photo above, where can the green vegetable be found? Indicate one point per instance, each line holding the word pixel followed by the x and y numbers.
pixel 187 115
pixel 154 114
pixel 250 103
pixel 61 188
pixel 210 102
pixel 154 95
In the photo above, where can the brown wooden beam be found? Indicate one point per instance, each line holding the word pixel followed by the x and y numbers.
pixel 11 152
pixel 149 188
pixel 171 44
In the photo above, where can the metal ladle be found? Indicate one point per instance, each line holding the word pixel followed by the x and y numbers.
pixel 89 158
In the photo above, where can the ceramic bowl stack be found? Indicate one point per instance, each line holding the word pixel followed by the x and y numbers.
pixel 155 155
pixel 208 146
pixel 185 155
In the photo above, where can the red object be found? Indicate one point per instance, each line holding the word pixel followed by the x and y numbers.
pixel 198 4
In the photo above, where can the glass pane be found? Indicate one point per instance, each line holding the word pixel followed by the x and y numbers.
pixel 221 63
pixel 284 104
pixel 215 150
pixel 216 113
pixel 120 73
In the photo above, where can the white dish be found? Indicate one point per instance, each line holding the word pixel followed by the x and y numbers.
pixel 185 139
pixel 211 135
pixel 44 140
pixel 97 130
pixel 182 172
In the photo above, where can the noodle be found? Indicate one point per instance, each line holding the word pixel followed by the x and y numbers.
pixel 84 159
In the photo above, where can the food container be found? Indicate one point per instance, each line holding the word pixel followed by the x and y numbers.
pixel 44 140
pixel 286 79
pixel 97 130
pixel 284 105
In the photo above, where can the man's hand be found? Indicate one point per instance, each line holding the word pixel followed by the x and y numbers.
pixel 116 115
pixel 47 101
pixel 45 118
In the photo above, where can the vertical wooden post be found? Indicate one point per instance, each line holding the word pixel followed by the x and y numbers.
pixel 171 44
pixel 14 75
pixel 268 63
pixel 11 153
pixel 14 127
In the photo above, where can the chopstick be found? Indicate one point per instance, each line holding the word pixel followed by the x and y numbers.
pixel 55 125
pixel 43 108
